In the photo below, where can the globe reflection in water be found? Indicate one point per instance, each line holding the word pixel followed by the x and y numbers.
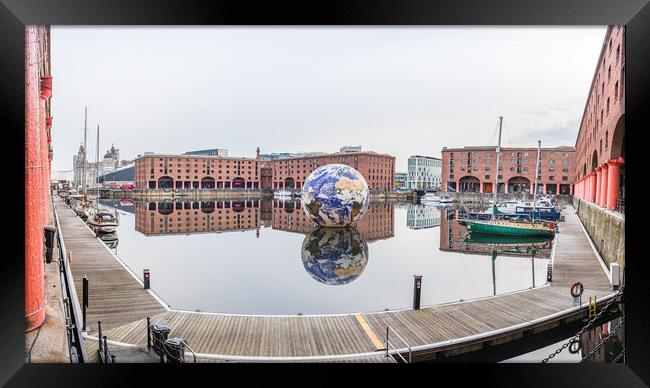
pixel 335 195
pixel 334 256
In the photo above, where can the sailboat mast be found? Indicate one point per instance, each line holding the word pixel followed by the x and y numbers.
pixel 83 171
pixel 539 146
pixel 97 164
pixel 496 177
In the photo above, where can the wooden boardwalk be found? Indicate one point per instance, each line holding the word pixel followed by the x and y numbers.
pixel 122 305
pixel 115 296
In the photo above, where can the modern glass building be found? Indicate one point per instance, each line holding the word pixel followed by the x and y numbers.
pixel 424 173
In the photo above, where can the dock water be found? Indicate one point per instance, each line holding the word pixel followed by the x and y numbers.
pixel 118 299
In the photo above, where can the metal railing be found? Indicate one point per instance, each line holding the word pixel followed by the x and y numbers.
pixel 184 341
pixel 390 346
pixel 105 355
pixel 620 205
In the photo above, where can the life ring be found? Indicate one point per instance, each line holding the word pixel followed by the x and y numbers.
pixel 576 289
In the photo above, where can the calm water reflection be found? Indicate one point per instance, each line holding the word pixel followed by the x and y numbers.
pixel 267 257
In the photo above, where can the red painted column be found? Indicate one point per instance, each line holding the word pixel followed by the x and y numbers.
pixel 603 185
pixel 613 181
pixel 34 281
pixel 480 190
pixel 45 93
pixel 592 187
pixel 598 184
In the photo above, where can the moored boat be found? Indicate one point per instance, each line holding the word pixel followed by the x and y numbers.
pixel 102 222
pixel 510 227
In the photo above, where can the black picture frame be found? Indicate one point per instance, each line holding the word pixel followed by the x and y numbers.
pixel 15 14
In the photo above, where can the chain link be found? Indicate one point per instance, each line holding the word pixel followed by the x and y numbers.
pixel 585 327
pixel 600 344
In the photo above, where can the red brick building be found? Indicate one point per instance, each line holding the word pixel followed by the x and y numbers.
pixel 155 171
pixel 290 173
pixel 600 145
pixel 473 169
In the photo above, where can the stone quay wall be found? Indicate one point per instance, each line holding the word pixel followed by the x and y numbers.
pixel 606 228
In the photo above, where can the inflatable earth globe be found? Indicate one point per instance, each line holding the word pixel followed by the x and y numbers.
pixel 334 256
pixel 335 195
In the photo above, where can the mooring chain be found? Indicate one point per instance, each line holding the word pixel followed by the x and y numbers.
pixel 600 344
pixel 621 354
pixel 585 327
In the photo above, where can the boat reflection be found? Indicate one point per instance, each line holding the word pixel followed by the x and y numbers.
pixel 457 238
pixel 110 239
pixel 334 256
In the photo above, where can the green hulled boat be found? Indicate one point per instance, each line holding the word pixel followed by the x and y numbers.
pixel 510 228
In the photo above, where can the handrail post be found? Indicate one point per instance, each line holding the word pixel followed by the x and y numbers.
pixel 99 329
pixel 85 300
pixel 105 350
pixel 387 329
pixel 148 333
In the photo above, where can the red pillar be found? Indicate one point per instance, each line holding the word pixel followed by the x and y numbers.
pixel 45 93
pixel 592 187
pixel 34 206
pixel 603 185
pixel 480 189
pixel 613 182
pixel 598 185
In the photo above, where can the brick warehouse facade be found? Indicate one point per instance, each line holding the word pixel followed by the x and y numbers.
pixel 157 171
pixel 289 173
pixel 154 171
pixel 600 145
pixel 473 169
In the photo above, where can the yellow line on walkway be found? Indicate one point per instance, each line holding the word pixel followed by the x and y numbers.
pixel 369 332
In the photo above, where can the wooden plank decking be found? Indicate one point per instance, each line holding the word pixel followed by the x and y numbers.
pixel 115 297
pixel 122 305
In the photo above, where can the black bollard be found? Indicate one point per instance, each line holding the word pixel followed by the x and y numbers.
pixel 146 277
pixel 417 289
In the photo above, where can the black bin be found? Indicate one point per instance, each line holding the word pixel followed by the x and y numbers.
pixel 49 243
pixel 159 334
pixel 175 350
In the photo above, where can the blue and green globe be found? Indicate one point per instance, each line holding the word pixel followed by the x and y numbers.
pixel 335 195
pixel 334 256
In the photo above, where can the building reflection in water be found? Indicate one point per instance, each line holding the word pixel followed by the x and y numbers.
pixel 188 217
pixel 422 216
pixel 334 256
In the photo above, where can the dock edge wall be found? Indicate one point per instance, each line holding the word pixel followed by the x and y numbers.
pixel 606 229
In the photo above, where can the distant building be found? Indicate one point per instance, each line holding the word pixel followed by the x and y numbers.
pixel 291 173
pixel 94 169
pixel 473 169
pixel 400 179
pixel 350 149
pixel 424 173
pixel 157 171
pixel 119 176
pixel 288 155
pixel 211 152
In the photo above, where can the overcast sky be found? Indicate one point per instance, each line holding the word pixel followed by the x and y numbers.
pixel 394 90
